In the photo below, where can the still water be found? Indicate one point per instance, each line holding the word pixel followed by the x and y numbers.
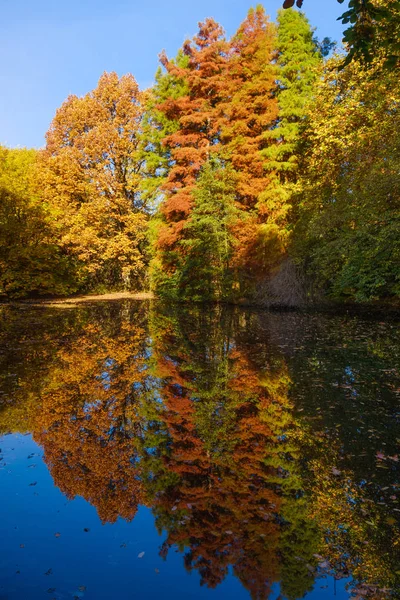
pixel 198 453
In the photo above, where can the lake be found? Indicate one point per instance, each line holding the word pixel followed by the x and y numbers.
pixel 198 452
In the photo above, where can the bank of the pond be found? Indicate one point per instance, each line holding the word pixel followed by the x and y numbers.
pixel 73 300
pixel 389 308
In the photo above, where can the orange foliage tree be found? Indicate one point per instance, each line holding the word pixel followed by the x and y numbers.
pixel 229 104
pixel 190 145
pixel 249 113
pixel 250 107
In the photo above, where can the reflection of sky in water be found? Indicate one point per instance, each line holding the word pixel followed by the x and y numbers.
pixel 99 564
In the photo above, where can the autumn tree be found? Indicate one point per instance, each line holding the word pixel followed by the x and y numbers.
pixel 87 420
pixel 299 60
pixel 191 144
pixel 230 464
pixel 249 108
pixel 248 112
pixel 347 235
pixel 91 169
pixel 31 261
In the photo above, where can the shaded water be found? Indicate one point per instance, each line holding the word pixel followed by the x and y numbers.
pixel 188 453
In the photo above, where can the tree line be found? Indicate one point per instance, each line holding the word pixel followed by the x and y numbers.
pixel 256 168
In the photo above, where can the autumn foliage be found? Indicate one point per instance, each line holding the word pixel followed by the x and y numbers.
pixel 90 175
pixel 251 168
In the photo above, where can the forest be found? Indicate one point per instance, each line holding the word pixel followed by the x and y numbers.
pixel 260 168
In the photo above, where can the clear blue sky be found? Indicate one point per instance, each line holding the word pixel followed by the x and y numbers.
pixel 52 48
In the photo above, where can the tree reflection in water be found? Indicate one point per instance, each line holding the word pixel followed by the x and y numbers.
pixel 195 414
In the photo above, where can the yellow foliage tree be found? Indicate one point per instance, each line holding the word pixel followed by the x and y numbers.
pixel 31 262
pixel 90 172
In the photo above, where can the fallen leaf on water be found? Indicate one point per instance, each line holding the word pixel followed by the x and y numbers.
pixel 157 571
pixel 140 555
pixel 22 545
pixel 57 534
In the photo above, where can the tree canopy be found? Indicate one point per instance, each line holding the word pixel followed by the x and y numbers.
pixel 255 169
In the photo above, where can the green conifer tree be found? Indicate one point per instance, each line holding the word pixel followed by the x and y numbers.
pixel 299 59
pixel 157 125
pixel 205 271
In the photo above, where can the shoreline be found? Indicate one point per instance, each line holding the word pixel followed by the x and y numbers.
pixel 83 299
pixel 374 308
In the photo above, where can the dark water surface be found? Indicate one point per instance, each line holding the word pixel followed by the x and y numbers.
pixel 166 453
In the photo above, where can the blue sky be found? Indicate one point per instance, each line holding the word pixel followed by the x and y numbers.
pixel 52 48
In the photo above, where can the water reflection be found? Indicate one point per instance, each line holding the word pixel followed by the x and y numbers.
pixel 264 443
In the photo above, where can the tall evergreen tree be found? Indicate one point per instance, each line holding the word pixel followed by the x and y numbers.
pixel 159 124
pixel 208 243
pixel 299 59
